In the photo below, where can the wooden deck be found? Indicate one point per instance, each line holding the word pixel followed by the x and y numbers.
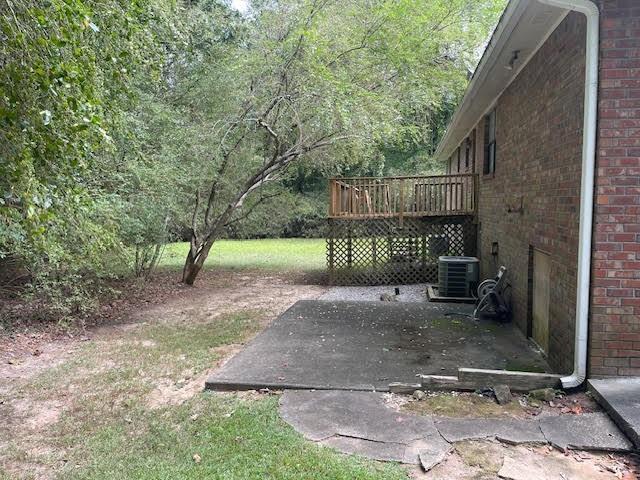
pixel 400 197
pixel 391 230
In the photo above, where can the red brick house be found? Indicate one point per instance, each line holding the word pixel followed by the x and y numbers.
pixel 551 123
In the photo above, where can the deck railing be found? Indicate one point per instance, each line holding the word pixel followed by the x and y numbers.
pixel 420 196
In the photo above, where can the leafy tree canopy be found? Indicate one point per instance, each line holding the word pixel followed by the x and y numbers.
pixel 124 123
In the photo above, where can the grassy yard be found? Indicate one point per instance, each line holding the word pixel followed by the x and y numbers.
pixel 128 403
pixel 291 254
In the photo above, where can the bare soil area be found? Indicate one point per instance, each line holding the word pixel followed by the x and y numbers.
pixel 30 347
pixel 49 373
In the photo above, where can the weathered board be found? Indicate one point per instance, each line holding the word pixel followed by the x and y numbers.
pixel 540 304
pixel 475 378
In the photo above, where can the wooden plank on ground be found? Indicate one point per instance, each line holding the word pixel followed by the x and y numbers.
pixel 518 381
pixel 470 379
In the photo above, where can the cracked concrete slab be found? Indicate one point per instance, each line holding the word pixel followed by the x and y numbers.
pixel 340 345
pixel 590 431
pixel 388 452
pixel 321 414
pixel 360 423
pixel 512 431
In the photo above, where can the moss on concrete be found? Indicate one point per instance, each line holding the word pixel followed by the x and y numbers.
pixel 465 405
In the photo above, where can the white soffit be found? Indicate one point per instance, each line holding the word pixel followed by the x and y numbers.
pixel 524 27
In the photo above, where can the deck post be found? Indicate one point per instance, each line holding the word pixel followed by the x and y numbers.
pixel 401 202
pixel 476 188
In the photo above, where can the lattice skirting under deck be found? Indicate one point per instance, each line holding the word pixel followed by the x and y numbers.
pixel 377 251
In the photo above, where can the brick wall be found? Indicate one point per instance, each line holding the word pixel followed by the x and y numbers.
pixel 615 303
pixel 532 199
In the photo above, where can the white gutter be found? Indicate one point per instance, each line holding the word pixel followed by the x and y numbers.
pixel 590 10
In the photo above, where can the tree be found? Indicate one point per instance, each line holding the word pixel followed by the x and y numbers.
pixel 84 94
pixel 327 81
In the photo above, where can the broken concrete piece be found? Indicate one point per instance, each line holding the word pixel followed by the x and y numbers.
pixel 432 446
pixel 546 394
pixel 387 452
pixel 419 394
pixel 516 470
pixel 431 457
pixel 404 388
pixel 508 430
pixel 503 394
pixel 591 431
pixel 517 381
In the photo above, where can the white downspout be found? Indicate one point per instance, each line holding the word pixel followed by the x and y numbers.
pixel 590 10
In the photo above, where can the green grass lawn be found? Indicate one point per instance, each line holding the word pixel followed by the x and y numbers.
pixel 219 438
pixel 295 254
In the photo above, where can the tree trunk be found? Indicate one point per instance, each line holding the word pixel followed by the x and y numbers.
pixel 190 271
pixel 193 263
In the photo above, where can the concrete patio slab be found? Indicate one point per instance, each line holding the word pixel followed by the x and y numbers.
pixel 590 431
pixel 621 398
pixel 368 345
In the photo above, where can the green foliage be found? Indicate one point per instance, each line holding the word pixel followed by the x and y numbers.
pixel 114 113
pixel 81 197
pixel 68 69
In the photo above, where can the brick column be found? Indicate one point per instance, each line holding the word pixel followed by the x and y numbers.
pixel 615 303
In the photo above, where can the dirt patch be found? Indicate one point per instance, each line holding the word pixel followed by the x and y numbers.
pixel 25 354
pixel 35 357
pixel 456 404
pixel 479 460
pixel 40 414
pixel 175 393
pixel 486 457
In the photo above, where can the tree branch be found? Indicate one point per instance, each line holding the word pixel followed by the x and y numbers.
pixel 194 223
pixel 251 209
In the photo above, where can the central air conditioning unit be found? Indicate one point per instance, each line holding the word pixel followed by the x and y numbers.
pixel 458 276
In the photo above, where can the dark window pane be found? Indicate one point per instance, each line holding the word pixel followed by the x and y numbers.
pixel 490 143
